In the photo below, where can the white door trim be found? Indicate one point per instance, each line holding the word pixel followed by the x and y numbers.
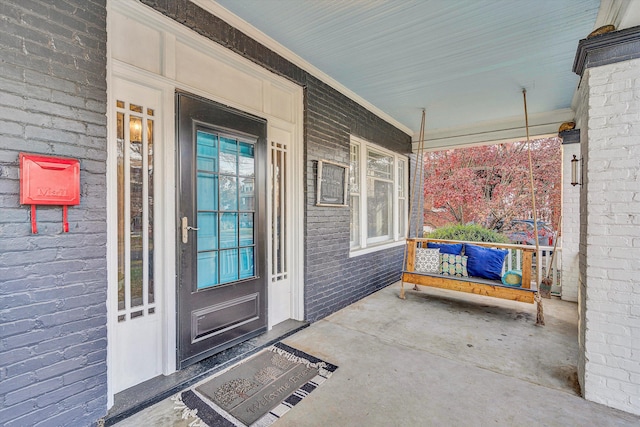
pixel 167 35
pixel 163 219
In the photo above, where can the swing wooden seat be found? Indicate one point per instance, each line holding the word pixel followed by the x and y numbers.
pixel 475 285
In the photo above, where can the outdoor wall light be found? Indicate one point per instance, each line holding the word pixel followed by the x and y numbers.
pixel 574 171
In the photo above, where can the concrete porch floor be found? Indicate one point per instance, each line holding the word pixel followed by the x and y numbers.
pixel 439 358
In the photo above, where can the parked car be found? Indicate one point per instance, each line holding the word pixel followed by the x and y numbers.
pixel 520 231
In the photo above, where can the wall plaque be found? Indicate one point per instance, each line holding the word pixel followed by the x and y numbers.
pixel 332 184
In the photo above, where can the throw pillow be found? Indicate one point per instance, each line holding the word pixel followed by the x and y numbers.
pixel 485 262
pixel 427 260
pixel 512 278
pixel 446 248
pixel 453 265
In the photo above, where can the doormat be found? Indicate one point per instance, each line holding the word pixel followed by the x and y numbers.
pixel 257 391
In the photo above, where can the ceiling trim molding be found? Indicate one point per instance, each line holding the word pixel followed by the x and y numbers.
pixel 570 136
pixel 605 49
pixel 235 21
pixel 495 132
pixel 611 12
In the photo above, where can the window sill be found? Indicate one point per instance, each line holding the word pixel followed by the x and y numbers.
pixel 370 249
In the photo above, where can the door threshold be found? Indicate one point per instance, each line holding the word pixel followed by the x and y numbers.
pixel 150 392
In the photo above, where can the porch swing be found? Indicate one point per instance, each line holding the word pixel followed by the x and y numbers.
pixel 420 266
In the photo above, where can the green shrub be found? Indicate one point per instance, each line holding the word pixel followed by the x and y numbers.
pixel 469 233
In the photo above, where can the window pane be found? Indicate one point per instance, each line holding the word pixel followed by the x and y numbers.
pixel 401 178
pixel 246 163
pixel 228 156
pixel 354 169
pixel 121 219
pixel 247 196
pixel 401 219
pixel 228 193
pixel 207 192
pixel 355 221
pixel 246 263
pixel 379 209
pixel 246 229
pixel 208 231
pixel 150 289
pixel 229 230
pixel 136 176
pixel 207 269
pixel 379 165
pixel 228 265
pixel 207 152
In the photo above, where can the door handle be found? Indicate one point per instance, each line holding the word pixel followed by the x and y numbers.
pixel 185 229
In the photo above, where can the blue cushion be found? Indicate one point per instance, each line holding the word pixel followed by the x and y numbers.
pixel 446 248
pixel 485 262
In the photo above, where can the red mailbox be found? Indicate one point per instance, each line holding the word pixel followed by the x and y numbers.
pixel 46 180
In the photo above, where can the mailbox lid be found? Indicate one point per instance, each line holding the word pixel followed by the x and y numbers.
pixel 47 180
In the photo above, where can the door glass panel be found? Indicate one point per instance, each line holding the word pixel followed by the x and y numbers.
pixel 150 209
pixel 207 192
pixel 121 220
pixel 246 163
pixel 207 152
pixel 228 193
pixel 246 263
pixel 247 197
pixel 228 265
pixel 136 176
pixel 208 231
pixel 229 230
pixel 226 209
pixel 228 156
pixel 207 269
pixel 246 229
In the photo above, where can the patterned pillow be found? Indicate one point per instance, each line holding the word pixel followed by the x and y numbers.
pixel 453 265
pixel 427 260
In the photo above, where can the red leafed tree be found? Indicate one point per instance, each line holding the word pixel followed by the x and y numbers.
pixel 489 185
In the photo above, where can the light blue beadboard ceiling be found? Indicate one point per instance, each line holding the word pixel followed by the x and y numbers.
pixel 464 61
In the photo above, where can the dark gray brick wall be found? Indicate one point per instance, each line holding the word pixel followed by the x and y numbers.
pixel 53 336
pixel 333 280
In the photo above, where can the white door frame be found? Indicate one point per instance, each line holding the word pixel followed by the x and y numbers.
pixel 164 35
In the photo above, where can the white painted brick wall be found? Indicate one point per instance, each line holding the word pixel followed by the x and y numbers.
pixel 570 226
pixel 582 123
pixel 611 326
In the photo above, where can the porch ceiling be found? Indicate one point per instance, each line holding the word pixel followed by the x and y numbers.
pixel 464 61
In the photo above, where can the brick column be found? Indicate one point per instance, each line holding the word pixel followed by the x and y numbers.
pixel 609 116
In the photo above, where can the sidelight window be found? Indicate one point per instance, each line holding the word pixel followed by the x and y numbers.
pixel 135 166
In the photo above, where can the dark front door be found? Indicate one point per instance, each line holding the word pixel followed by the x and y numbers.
pixel 221 227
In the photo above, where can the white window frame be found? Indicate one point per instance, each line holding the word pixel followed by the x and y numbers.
pixel 363 244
